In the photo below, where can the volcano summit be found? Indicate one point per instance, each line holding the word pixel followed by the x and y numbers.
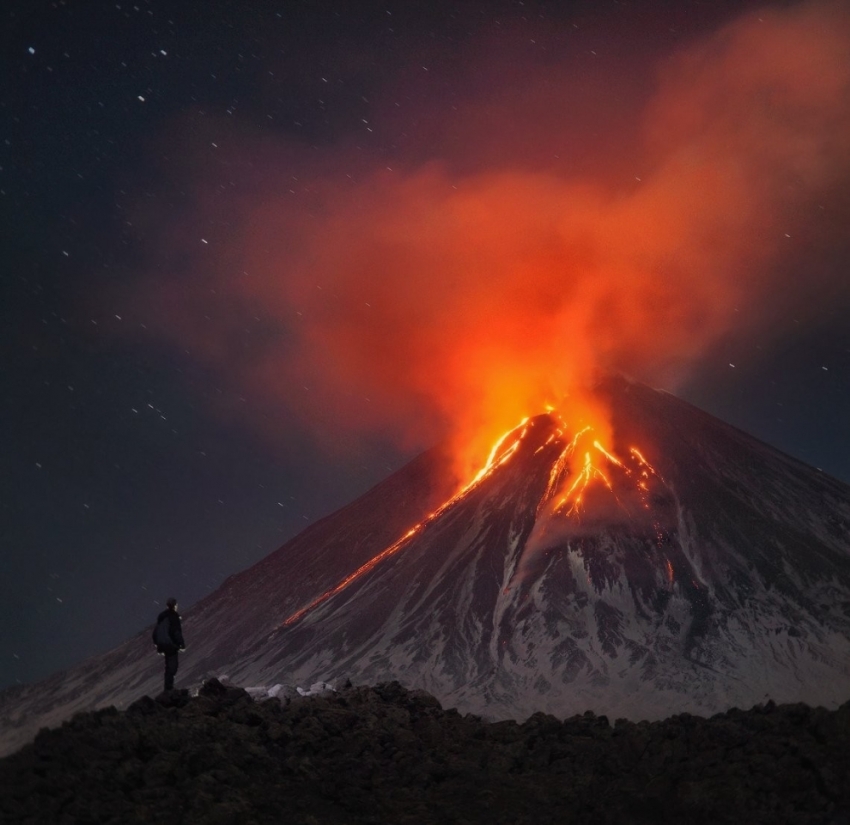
pixel 683 567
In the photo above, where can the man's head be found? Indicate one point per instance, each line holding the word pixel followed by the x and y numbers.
pixel 171 604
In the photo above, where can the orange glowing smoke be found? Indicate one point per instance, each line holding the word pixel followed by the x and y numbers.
pixel 413 300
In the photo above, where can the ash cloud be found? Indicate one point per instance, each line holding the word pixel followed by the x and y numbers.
pixel 418 293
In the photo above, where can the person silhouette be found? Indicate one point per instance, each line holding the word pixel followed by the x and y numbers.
pixel 168 638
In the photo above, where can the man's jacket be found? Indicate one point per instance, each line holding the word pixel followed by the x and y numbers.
pixel 167 633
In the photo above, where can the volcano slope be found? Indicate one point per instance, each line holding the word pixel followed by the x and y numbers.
pixel 683 567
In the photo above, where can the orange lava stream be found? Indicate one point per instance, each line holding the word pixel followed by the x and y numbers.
pixel 575 493
pixel 570 502
pixel 607 455
pixel 496 459
pixel 561 465
pixel 571 492
pixel 365 568
pixel 645 472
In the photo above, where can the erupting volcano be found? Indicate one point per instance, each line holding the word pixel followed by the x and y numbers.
pixel 666 563
pixel 569 479
pixel 569 570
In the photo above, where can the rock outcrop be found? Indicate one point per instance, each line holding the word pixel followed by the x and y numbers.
pixel 386 754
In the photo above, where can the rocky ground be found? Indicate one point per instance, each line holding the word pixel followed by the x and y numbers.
pixel 388 755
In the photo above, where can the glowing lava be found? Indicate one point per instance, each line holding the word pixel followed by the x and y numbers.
pixel 571 501
pixel 569 480
pixel 571 476
pixel 498 456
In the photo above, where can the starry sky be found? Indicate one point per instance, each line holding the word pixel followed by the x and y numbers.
pixel 154 435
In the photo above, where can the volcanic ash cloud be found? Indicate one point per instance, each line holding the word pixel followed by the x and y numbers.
pixel 417 301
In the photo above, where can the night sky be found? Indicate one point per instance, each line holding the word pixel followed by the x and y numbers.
pixel 160 425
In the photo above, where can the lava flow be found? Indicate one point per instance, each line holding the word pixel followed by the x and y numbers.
pixel 498 456
pixel 569 481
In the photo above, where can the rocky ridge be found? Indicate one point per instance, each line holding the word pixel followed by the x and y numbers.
pixel 385 754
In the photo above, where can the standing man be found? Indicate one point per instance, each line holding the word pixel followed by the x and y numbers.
pixel 168 638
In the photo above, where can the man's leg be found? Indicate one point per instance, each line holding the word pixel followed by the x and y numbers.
pixel 171 663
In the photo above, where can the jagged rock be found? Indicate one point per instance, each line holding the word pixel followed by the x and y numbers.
pixel 144 706
pixel 173 698
pixel 385 754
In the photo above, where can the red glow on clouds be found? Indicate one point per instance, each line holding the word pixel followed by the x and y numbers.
pixel 418 301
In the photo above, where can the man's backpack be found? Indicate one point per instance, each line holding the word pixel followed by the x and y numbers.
pixel 162 634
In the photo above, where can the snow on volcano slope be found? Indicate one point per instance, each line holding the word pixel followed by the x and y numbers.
pixel 697 569
pixel 730 585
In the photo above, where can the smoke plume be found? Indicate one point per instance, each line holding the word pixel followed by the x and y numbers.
pixel 423 295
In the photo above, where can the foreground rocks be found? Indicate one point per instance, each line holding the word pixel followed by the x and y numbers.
pixel 388 755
